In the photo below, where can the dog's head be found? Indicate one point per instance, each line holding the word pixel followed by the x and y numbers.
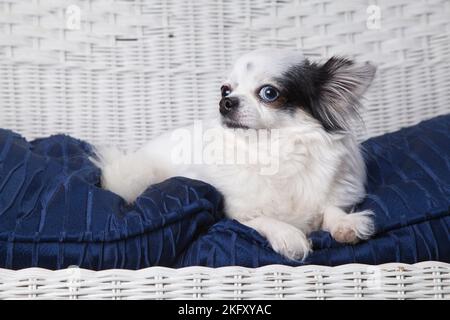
pixel 275 88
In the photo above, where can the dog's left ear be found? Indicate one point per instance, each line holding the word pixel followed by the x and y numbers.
pixel 341 84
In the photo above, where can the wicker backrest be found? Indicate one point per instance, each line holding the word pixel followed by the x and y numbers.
pixel 131 69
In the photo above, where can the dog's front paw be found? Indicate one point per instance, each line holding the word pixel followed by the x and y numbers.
pixel 354 227
pixel 289 242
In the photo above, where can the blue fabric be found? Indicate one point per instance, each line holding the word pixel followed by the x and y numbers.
pixel 53 214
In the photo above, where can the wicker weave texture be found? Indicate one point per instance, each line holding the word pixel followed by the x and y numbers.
pixel 426 280
pixel 121 72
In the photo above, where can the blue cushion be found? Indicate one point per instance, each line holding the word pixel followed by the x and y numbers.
pixel 53 214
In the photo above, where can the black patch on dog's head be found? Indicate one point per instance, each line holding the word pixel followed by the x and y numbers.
pixel 329 92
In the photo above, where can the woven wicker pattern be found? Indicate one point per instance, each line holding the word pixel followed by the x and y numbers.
pixel 390 281
pixel 131 69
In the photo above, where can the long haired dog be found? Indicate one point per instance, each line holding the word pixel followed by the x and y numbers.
pixel 305 110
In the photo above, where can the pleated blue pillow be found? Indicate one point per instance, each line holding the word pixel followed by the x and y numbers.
pixel 53 214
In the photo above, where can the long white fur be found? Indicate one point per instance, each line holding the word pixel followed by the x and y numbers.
pixel 320 175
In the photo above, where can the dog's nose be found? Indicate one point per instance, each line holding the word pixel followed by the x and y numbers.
pixel 228 104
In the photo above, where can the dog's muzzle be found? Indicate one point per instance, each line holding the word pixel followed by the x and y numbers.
pixel 228 104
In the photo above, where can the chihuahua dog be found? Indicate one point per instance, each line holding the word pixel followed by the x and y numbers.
pixel 307 111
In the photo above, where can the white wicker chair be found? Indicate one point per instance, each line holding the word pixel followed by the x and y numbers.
pixel 75 66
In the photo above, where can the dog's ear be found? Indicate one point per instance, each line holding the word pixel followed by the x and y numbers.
pixel 340 85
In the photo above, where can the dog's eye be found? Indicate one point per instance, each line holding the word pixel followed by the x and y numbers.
pixel 226 90
pixel 269 94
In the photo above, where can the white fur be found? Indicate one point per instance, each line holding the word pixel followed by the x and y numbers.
pixel 319 174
